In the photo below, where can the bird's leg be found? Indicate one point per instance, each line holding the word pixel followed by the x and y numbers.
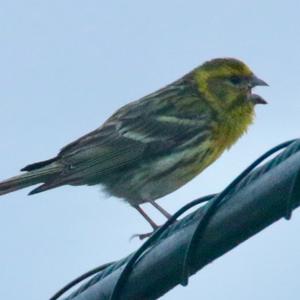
pixel 160 209
pixel 149 220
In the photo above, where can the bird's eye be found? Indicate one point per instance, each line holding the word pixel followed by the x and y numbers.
pixel 235 80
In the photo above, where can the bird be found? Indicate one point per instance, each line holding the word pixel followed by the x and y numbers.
pixel 155 145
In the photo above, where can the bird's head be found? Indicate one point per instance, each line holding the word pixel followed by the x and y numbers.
pixel 228 82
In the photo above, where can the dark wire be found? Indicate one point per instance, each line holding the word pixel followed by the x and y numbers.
pixel 79 279
pixel 211 209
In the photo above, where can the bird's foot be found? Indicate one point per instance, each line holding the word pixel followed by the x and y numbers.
pixel 141 236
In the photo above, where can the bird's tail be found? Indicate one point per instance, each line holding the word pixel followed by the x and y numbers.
pixel 41 173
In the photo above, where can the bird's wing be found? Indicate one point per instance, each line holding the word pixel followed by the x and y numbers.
pixel 140 130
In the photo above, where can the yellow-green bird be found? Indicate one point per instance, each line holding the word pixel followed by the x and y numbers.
pixel 153 146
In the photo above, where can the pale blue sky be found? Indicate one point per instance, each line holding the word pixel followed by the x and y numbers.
pixel 67 65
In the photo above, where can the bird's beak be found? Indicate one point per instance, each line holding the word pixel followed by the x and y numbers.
pixel 255 81
pixel 254 98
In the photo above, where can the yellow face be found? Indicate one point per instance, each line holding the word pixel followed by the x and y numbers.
pixel 227 83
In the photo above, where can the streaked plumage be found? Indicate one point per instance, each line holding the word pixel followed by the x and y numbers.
pixel 153 146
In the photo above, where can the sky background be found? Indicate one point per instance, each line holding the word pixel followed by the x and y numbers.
pixel 65 66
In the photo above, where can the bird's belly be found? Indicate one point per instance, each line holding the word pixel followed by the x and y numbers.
pixel 164 175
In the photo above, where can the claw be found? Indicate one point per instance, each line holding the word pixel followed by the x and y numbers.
pixel 141 236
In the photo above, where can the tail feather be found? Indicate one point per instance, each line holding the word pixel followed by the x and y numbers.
pixel 49 172
pixel 46 186
pixel 39 164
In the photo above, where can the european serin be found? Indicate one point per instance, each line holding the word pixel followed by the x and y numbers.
pixel 153 146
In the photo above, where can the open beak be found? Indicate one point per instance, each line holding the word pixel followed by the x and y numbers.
pixel 256 99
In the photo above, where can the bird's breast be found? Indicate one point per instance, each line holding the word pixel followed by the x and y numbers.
pixel 231 126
